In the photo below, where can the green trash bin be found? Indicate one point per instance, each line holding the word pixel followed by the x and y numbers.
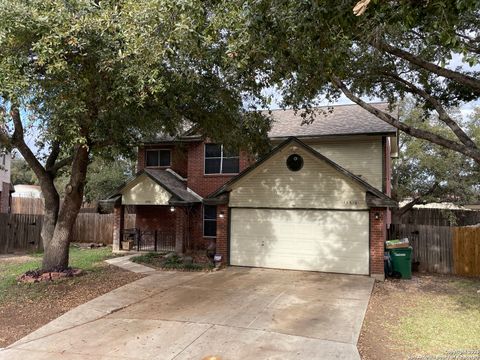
pixel 402 261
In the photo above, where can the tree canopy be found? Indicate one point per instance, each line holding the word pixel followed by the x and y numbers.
pixel 21 173
pixel 93 77
pixel 426 172
pixel 312 50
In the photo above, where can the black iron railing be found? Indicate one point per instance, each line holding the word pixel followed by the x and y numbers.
pixel 149 240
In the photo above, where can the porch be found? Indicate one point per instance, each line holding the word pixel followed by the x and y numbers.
pixel 163 207
pixel 156 228
pixel 147 240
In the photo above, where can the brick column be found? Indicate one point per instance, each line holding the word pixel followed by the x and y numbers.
pixel 4 197
pixel 118 221
pixel 180 225
pixel 222 233
pixel 378 235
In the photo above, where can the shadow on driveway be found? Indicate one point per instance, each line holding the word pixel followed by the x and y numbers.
pixel 238 313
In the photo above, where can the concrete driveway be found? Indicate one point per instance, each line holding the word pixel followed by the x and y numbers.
pixel 237 313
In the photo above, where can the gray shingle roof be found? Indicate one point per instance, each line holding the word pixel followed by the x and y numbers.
pixel 173 184
pixel 342 120
pixel 167 180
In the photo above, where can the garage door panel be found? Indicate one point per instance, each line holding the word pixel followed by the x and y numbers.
pixel 319 240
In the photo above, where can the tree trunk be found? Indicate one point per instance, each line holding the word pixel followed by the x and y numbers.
pixel 56 253
pixel 50 211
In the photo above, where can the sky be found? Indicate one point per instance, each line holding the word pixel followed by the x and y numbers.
pixel 456 62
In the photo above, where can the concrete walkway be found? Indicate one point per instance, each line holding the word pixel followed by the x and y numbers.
pixel 237 313
pixel 125 263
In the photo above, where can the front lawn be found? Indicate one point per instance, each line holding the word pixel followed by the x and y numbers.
pixel 89 260
pixel 428 315
pixel 25 307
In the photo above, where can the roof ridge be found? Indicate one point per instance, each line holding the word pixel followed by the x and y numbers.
pixel 327 106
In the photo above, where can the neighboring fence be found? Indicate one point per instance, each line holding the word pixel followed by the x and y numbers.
pixel 440 217
pixel 97 228
pixel 28 205
pixel 442 249
pixel 466 251
pixel 432 245
pixel 23 205
pixel 21 232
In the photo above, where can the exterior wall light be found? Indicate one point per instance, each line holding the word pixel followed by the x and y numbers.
pixel 172 208
pixel 377 216
pixel 221 215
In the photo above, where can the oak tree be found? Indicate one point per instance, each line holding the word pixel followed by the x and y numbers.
pixel 316 50
pixel 93 77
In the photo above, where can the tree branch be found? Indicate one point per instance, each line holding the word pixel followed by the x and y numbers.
pixel 442 113
pixel 460 78
pixel 52 164
pixel 61 163
pixel 52 158
pixel 416 200
pixel 418 133
pixel 19 142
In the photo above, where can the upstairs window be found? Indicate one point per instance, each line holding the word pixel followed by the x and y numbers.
pixel 158 158
pixel 219 161
pixel 209 221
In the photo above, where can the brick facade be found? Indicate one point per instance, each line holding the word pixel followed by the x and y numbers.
pixel 179 157
pixel 377 242
pixel 222 232
pixel 151 217
pixel 196 229
pixel 206 184
pixel 118 225
pixel 187 224
pixel 4 197
pixel 180 229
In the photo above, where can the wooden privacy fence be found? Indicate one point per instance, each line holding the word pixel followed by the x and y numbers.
pixel 432 245
pixel 97 228
pixel 440 217
pixel 25 205
pixel 21 232
pixel 28 205
pixel 442 249
pixel 466 251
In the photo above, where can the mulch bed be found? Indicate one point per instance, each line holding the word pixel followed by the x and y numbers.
pixel 22 315
pixel 36 276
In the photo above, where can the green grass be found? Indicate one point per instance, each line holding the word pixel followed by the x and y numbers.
pixel 443 321
pixel 86 259
pixel 89 259
pixel 172 263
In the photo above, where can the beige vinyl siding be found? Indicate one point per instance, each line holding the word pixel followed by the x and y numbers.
pixel 315 240
pixel 145 191
pixel 360 156
pixel 317 185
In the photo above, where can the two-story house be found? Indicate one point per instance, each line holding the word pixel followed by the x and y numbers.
pixel 6 187
pixel 318 201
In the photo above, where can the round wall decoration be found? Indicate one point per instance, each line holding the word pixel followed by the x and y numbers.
pixel 294 162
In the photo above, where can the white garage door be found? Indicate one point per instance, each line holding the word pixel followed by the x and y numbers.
pixel 317 240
